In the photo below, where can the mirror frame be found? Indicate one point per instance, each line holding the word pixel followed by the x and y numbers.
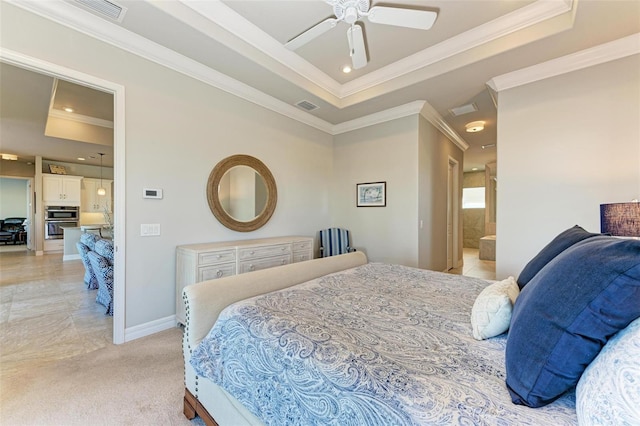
pixel 214 201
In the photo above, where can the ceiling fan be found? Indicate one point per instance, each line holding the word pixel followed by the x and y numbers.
pixel 351 11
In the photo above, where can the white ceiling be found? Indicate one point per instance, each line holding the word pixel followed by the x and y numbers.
pixel 238 46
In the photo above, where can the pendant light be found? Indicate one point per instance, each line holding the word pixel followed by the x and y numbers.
pixel 101 190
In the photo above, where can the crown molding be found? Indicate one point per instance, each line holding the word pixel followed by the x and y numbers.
pixel 412 108
pixel 79 20
pixel 236 24
pixel 85 22
pixel 507 24
pixel 517 20
pixel 79 118
pixel 433 117
pixel 600 54
pixel 401 111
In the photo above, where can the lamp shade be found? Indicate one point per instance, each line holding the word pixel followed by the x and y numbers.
pixel 620 219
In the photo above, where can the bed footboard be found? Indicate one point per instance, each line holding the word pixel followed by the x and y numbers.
pixel 205 300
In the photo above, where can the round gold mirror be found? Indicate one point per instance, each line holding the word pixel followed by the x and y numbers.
pixel 242 193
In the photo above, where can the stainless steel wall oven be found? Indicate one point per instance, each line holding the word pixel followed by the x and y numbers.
pixel 56 218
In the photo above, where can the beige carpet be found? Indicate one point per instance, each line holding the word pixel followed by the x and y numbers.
pixel 137 383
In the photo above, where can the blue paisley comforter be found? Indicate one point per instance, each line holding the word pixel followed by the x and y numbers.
pixel 374 345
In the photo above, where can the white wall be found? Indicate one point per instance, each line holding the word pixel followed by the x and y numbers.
pixel 565 145
pixel 177 129
pixel 412 156
pixel 13 198
pixel 435 150
pixel 384 152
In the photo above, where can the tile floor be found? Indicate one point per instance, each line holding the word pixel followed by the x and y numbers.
pixel 46 311
pixel 474 267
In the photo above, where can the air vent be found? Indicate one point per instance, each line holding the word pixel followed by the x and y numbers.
pixel 464 109
pixel 307 106
pixel 104 8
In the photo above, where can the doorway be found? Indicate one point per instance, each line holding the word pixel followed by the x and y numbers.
pixel 56 71
pixel 16 201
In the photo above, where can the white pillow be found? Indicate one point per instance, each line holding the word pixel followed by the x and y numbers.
pixel 608 392
pixel 491 312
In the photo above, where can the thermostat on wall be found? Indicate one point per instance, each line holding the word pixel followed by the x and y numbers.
pixel 152 193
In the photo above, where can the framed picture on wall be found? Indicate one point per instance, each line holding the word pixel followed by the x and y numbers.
pixel 57 170
pixel 372 194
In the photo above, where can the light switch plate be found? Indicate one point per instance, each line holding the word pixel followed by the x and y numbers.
pixel 149 229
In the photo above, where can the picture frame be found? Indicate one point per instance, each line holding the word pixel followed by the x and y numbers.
pixel 57 170
pixel 371 194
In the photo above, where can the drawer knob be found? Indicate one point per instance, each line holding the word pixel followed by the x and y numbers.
pixel 218 256
pixel 252 252
pixel 283 261
pixel 219 273
pixel 251 267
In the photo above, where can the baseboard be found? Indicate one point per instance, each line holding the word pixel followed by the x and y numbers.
pixel 70 257
pixel 149 328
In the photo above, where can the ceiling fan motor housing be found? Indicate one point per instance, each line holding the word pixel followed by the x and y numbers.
pixel 350 10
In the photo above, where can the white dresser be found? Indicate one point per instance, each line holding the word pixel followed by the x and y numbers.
pixel 201 262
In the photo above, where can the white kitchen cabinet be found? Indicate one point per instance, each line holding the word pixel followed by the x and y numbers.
pixel 91 201
pixel 208 261
pixel 61 190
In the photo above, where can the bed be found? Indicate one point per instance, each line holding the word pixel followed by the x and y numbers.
pixel 346 342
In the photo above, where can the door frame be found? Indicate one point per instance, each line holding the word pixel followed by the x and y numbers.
pixel 453 199
pixel 117 90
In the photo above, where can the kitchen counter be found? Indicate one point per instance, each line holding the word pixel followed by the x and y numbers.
pixel 71 237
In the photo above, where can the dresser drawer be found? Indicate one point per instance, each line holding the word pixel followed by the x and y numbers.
pixel 216 271
pixel 215 257
pixel 264 251
pixel 301 256
pixel 258 264
pixel 302 245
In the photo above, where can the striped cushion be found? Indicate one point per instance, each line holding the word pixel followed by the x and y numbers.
pixel 334 241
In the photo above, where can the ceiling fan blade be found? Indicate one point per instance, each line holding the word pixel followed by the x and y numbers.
pixel 357 50
pixel 410 18
pixel 311 33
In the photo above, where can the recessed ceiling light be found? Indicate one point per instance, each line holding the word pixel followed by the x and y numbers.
pixel 81 158
pixel 475 126
pixel 346 69
pixel 474 169
pixel 68 109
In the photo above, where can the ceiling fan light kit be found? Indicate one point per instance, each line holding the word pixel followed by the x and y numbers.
pixel 351 11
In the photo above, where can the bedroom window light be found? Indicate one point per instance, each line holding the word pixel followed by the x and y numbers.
pixel 473 198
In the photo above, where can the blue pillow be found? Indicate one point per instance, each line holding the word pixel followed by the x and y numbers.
pixel 563 241
pixel 567 313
